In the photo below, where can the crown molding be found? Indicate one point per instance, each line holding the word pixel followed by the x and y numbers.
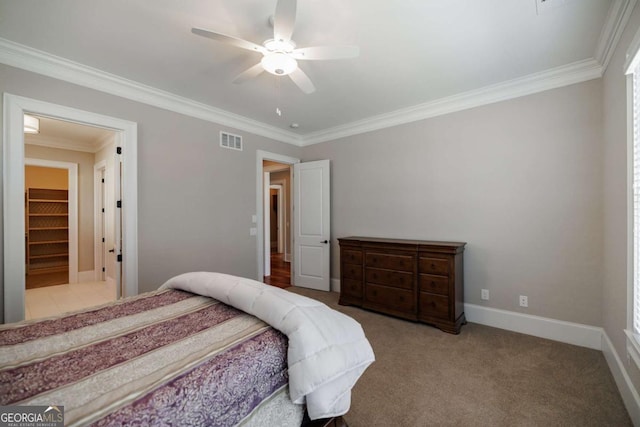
pixel 40 62
pixel 37 61
pixel 558 77
pixel 617 18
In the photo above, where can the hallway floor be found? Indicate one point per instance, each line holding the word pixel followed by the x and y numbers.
pixel 280 272
pixel 54 300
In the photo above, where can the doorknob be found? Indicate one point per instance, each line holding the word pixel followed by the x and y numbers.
pixel 325 242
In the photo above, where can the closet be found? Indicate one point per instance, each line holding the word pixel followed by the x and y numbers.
pixel 47 237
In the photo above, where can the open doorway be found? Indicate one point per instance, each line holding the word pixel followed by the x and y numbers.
pixel 15 108
pixel 277 229
pixel 68 222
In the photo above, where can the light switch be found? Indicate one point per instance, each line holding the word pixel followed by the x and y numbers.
pixel 253 231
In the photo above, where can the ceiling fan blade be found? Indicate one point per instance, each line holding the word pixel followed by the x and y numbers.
pixel 302 80
pixel 250 73
pixel 326 52
pixel 244 44
pixel 284 20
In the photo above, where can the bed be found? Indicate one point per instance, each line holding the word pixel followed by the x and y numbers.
pixel 205 349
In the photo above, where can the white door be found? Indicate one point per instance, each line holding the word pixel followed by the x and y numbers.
pixel 311 199
pixel 117 242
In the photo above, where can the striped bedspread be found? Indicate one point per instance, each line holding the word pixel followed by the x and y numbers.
pixel 164 358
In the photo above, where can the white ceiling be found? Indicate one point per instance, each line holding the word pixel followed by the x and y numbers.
pixel 413 52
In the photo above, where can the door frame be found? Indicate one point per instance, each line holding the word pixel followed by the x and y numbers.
pixel 72 182
pixel 267 219
pixel 13 192
pixel 99 220
pixel 279 215
pixel 261 156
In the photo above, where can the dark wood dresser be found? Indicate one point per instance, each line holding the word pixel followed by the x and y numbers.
pixel 412 279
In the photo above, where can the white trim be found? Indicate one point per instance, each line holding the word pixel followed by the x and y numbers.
pixel 72 177
pixel 87 276
pixel 632 58
pixel 37 61
pixel 617 18
pixel 630 207
pixel 280 216
pixel 13 192
pixel 266 179
pixel 550 79
pixel 261 156
pixel 40 62
pixel 543 327
pixel 625 385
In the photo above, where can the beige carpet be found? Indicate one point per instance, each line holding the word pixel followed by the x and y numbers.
pixel 482 377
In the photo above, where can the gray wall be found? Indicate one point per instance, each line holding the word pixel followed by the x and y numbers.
pixel 614 290
pixel 195 199
pixel 520 181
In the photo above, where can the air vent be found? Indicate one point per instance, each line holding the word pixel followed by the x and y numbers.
pixel 229 140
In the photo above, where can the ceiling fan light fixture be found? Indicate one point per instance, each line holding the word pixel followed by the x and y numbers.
pixel 279 64
pixel 31 124
pixel 273 45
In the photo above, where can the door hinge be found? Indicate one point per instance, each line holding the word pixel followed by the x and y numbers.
pixel 103 180
pixel 119 150
pixel 102 210
pixel 103 269
pixel 119 258
pixel 103 240
pixel 119 204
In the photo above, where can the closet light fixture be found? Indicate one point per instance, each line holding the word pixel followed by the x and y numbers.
pixel 31 124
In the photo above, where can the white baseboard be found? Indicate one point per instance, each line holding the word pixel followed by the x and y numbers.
pixel 627 390
pixel 287 257
pixel 86 276
pixel 543 327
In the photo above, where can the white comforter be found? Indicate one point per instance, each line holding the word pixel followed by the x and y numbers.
pixel 328 351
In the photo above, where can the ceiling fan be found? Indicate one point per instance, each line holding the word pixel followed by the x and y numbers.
pixel 280 54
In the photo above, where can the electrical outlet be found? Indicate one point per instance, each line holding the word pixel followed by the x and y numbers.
pixel 484 294
pixel 524 301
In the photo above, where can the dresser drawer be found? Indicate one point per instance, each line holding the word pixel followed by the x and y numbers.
pixel 390 298
pixel 390 261
pixel 432 305
pixel 437 266
pixel 352 271
pixel 351 257
pixel 396 279
pixel 434 284
pixel 351 288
